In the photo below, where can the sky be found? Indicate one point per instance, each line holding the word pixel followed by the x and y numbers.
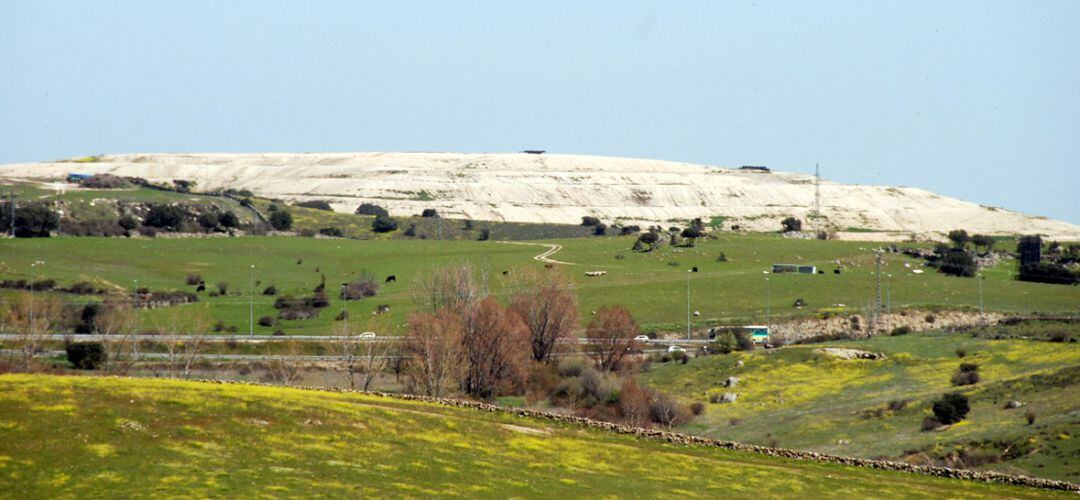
pixel 978 100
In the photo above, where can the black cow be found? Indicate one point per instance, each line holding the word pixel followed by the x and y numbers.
pixel 694 269
pixel 836 271
pixel 391 278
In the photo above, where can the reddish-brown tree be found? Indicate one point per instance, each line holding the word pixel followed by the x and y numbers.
pixel 611 337
pixel 495 349
pixel 547 304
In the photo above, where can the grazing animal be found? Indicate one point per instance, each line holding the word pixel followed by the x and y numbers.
pixel 391 278
pixel 836 271
pixel 506 273
pixel 299 261
pixel 382 309
pixel 694 269
pixel 202 287
pixel 549 266
pixel 697 313
pixel 595 273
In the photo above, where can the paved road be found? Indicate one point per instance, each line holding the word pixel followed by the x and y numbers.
pixel 301 338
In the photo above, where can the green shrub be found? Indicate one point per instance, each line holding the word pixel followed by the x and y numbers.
pixel 371 209
pixel 900 330
pixel 316 204
pixel 86 355
pixel 383 224
pixel 951 408
pixel 281 220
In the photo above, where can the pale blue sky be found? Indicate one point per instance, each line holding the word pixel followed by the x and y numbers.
pixel 978 100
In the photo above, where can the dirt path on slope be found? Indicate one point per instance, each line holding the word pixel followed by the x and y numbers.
pixel 545 256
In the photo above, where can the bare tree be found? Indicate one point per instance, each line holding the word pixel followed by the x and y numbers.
pixel 118 319
pixel 32 318
pixel 365 358
pixel 494 340
pixel 285 366
pixel 182 353
pixel 611 337
pixel 453 288
pixel 547 303
pixel 433 350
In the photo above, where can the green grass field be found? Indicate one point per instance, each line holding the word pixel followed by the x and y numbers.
pixel 799 398
pixel 94 437
pixel 648 284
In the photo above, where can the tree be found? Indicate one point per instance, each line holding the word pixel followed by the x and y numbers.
pixel 494 347
pixel 317 205
pixel 1048 272
pixel 281 220
pixel 951 408
pixel 35 221
pixel 228 220
pixel 433 352
pixel 791 224
pixel 691 234
pixel 371 209
pixel 86 355
pixel 982 240
pixel 958 263
pixel 118 319
pixel 590 221
pixel 453 288
pixel 209 221
pixel 181 354
pixel 430 213
pixel 31 319
pixel 485 234
pixel 166 216
pixel 650 238
pixel 611 335
pixel 1030 250
pixel 600 229
pixel 546 302
pixel 383 224
pixel 959 237
pixel 128 222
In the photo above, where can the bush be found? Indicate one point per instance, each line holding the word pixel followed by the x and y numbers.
pixel 383 224
pixel 193 279
pixel 590 221
pixel 270 290
pixel 930 423
pixel 128 222
pixel 697 408
pixel 1030 417
pixel 1048 272
pixel 485 234
pixel 962 378
pixel 34 221
pixel 900 330
pixel 86 355
pixel 626 230
pixel 961 353
pixel 371 209
pixel 791 224
pixel 316 204
pixel 930 318
pixel 208 221
pixel 331 231
pixel 1059 336
pixel 951 408
pixel 969 367
pixel 266 321
pixel 281 220
pixel 163 216
pixel 361 288
pixel 104 181
pixel 222 287
pixel 958 263
pixel 959 237
pixel 430 213
pixel 410 231
pixel 228 220
pixel 600 230
pixel 666 411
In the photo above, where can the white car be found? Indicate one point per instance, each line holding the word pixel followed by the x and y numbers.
pixel 367 335
pixel 675 348
pixel 642 338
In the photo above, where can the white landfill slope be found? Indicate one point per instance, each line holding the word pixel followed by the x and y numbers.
pixel 563 188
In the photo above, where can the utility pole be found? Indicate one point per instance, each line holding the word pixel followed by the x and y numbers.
pixel 138 315
pixel 981 278
pixel 11 206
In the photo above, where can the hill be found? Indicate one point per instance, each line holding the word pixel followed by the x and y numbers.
pixel 563 188
pixel 799 397
pixel 85 436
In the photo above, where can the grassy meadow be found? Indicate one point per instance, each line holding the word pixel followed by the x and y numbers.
pixel 797 397
pixel 90 436
pixel 652 285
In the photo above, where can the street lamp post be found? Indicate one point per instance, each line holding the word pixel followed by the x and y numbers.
pixel 345 308
pixel 981 278
pixel 135 344
pixel 251 301
pixel 33 277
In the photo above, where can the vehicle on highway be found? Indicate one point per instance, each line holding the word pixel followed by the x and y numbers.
pixel 675 348
pixel 642 338
pixel 367 335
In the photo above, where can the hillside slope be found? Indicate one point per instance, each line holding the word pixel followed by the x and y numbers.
pixel 84 436
pixel 562 189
